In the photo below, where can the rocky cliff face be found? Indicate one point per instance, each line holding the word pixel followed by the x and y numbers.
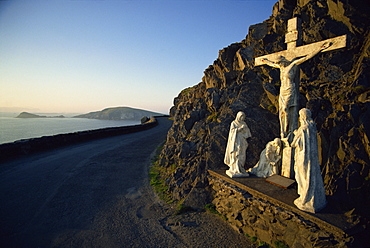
pixel 334 85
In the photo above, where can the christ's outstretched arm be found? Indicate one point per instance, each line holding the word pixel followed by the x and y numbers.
pixel 270 63
pixel 311 55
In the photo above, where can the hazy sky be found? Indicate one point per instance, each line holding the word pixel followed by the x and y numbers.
pixel 85 55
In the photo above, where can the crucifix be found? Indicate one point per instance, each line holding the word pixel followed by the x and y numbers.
pixel 288 62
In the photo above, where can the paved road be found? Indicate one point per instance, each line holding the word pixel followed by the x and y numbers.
pixel 96 194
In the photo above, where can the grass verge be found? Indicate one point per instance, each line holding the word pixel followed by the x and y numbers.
pixel 210 207
pixel 157 176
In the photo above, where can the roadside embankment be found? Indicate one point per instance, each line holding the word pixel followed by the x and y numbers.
pixel 29 146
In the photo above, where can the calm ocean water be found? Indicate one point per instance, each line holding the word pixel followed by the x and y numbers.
pixel 12 129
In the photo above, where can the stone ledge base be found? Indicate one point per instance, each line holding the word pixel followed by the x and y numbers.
pixel 257 216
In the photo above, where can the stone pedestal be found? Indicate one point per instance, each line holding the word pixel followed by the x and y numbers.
pixel 280 181
pixel 287 163
pixel 233 174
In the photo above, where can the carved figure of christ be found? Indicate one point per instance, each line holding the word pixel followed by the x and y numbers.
pixel 288 97
pixel 288 62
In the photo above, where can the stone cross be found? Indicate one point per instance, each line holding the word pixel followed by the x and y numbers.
pixel 288 61
pixel 293 39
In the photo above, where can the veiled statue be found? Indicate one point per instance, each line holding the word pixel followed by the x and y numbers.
pixel 311 189
pixel 237 145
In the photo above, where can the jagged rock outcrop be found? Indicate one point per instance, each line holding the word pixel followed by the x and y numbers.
pixel 335 86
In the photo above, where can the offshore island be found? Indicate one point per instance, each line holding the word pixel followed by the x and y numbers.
pixel 115 113
pixel 29 115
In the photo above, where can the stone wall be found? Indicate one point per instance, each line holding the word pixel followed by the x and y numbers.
pixel 28 146
pixel 256 217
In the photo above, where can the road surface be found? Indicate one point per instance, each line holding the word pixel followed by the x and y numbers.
pixel 96 194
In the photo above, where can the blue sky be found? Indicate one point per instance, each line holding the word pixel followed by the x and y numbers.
pixel 80 56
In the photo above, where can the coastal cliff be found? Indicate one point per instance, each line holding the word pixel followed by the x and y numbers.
pixel 334 85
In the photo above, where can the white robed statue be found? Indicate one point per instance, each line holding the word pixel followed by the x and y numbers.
pixel 311 189
pixel 268 164
pixel 237 145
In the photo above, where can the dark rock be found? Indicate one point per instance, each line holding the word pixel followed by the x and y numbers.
pixel 334 85
pixel 258 31
pixel 197 198
pixel 144 119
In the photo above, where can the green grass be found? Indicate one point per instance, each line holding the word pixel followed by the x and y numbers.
pixel 156 178
pixel 181 209
pixel 280 244
pixel 156 156
pixel 158 184
pixel 277 244
pixel 210 207
pixel 360 89
pixel 263 244
pixel 252 239
pixel 271 108
pixel 213 117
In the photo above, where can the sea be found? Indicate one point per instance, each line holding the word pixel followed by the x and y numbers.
pixel 13 129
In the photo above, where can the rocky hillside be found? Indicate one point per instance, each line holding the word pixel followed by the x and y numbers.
pixel 335 85
pixel 118 113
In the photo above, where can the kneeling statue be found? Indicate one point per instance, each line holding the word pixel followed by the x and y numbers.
pixel 268 164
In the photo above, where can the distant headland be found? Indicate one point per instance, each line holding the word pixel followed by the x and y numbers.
pixel 118 113
pixel 29 115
